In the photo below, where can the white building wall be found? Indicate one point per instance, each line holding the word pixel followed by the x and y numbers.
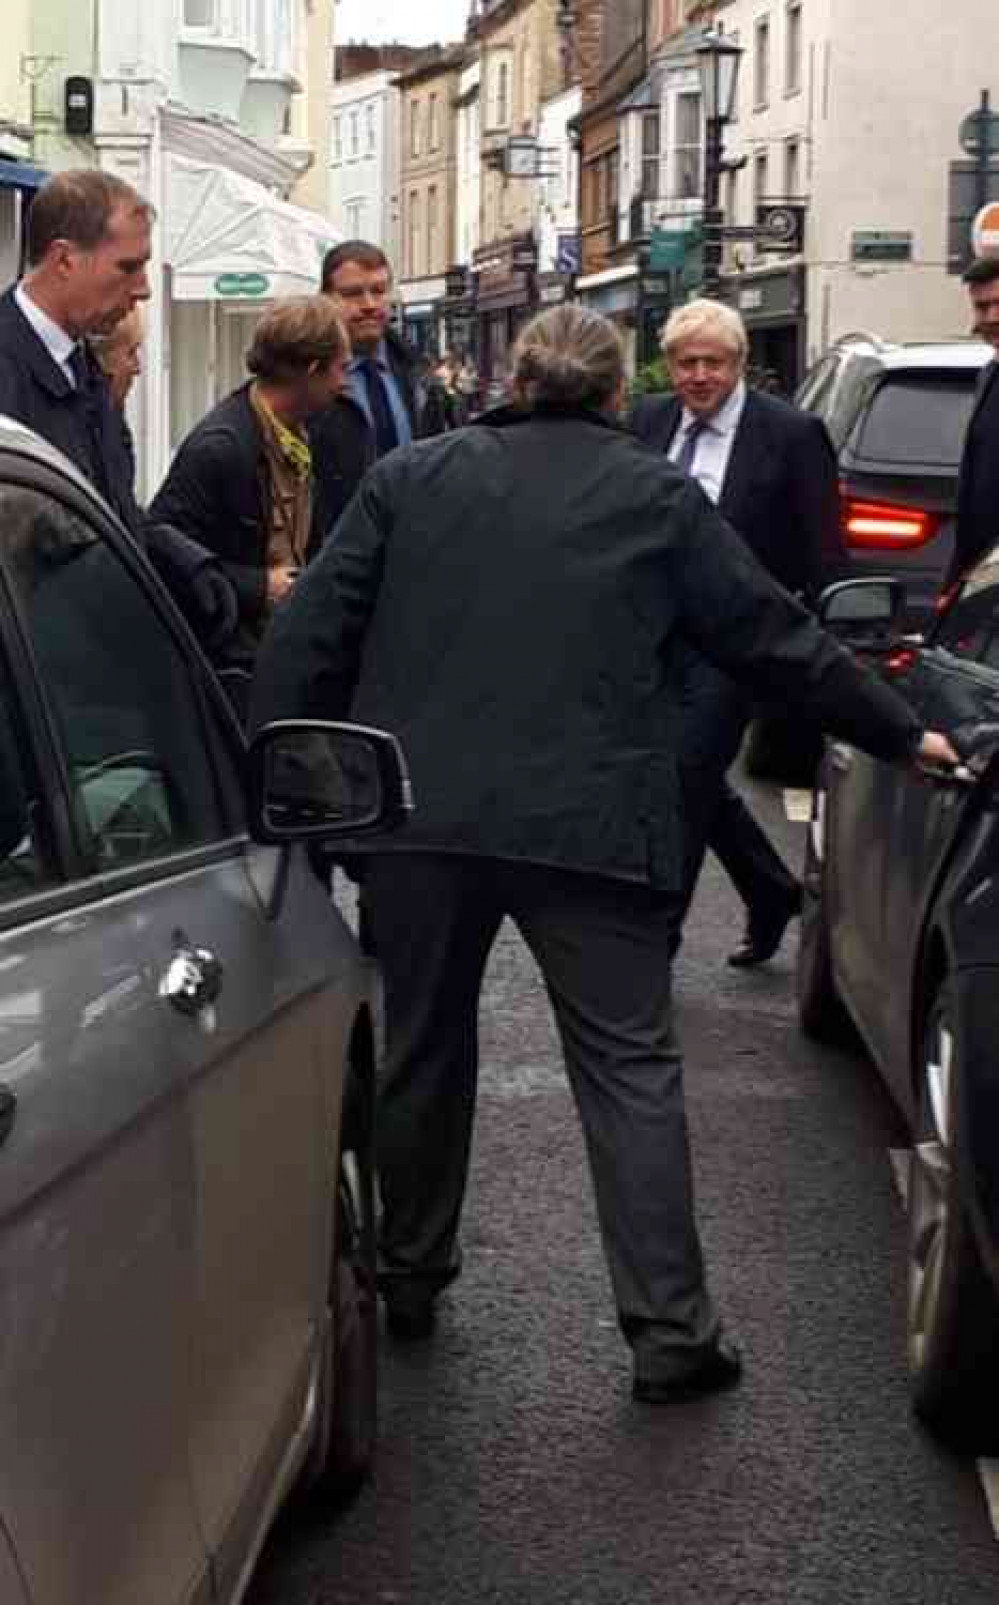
pixel 558 210
pixel 364 161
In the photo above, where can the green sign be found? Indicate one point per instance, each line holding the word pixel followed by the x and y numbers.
pixel 668 249
pixel 881 245
pixel 249 284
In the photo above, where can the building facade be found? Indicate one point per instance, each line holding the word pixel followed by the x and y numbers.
pixel 18 173
pixel 366 144
pixel 428 182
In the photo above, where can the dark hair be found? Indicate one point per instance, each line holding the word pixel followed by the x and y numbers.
pixel 295 334
pixel 983 271
pixel 569 355
pixel 79 206
pixel 358 251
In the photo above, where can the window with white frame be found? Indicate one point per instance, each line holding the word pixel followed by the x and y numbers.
pixel 355 134
pixel 273 34
pixel 338 138
pixel 201 14
pixel 793 48
pixel 354 214
pixel 792 168
pixel 761 63
pixel 433 230
pixel 414 233
pixel 761 180
pixel 650 155
pixel 687 146
pixel 499 102
pixel 433 123
pixel 371 132
pixel 414 127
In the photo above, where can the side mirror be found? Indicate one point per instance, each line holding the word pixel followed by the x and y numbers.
pixel 310 780
pixel 863 614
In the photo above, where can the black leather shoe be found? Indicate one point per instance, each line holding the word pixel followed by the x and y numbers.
pixel 410 1314
pixel 720 1368
pixel 764 934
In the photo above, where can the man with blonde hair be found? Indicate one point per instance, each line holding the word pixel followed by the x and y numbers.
pixel 771 471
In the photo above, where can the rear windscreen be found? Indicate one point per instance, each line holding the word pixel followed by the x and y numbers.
pixel 917 419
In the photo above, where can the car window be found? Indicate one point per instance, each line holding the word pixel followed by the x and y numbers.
pixel 917 419
pixel 969 626
pixel 813 393
pixel 854 380
pixel 27 862
pixel 128 715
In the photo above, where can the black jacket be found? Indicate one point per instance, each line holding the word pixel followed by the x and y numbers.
pixel 89 429
pixel 506 600
pixel 977 529
pixel 781 488
pixel 343 441
pixel 217 493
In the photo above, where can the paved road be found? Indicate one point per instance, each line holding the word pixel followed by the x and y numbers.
pixel 514 1467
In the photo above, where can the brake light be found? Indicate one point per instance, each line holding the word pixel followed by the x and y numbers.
pixel 884 527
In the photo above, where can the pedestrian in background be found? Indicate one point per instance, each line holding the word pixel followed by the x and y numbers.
pixel 977 527
pixel 241 482
pixel 88 247
pixel 119 356
pixel 384 403
pixel 507 601
pixel 772 472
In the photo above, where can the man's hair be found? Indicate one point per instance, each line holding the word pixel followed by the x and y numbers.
pixel 570 356
pixel 360 252
pixel 706 317
pixel 295 334
pixel 80 206
pixel 983 271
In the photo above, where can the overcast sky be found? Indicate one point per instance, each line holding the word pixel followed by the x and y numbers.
pixel 411 22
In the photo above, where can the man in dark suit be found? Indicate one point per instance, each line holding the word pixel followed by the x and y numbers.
pixel 977 528
pixel 89 244
pixel 772 472
pixel 384 404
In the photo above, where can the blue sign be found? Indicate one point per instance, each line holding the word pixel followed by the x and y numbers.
pixel 569 253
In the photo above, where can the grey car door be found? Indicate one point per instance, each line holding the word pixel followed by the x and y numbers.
pixel 97 1269
pixel 257 986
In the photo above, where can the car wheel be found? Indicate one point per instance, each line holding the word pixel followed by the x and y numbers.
pixel 820 1012
pixel 343 1449
pixel 953 1311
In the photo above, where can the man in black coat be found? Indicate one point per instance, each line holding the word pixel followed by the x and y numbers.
pixel 772 472
pixel 88 249
pixel 507 601
pixel 384 404
pixel 977 528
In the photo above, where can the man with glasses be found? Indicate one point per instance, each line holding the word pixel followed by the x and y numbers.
pixel 978 484
pixel 384 404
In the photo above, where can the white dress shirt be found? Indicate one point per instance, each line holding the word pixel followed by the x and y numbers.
pixel 59 345
pixel 714 445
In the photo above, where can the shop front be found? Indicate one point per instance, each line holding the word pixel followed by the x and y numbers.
pixel 616 293
pixel 505 276
pixel 458 312
pixel 420 310
pixel 772 304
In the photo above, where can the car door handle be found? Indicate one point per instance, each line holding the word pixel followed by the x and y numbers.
pixel 959 775
pixel 192 980
pixel 8 1111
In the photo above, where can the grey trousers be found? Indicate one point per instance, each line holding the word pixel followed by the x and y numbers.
pixel 601 946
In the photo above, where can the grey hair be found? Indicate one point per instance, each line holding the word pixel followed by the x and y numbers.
pixel 569 356
pixel 706 317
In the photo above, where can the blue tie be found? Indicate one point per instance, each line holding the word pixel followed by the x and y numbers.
pixel 386 434
pixel 688 451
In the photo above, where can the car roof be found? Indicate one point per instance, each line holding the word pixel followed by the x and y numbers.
pixel 920 353
pixel 23 442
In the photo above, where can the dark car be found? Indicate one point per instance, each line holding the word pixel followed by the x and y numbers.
pixel 900 940
pixel 897 415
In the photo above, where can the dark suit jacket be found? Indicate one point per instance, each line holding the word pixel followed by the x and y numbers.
pixel 780 492
pixel 978 483
pixel 343 442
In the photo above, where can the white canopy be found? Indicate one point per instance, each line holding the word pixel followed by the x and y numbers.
pixel 230 239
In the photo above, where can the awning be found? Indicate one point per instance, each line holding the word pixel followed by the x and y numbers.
pixel 229 239
pixel 20 175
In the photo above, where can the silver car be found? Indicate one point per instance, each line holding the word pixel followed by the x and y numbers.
pixel 186 1076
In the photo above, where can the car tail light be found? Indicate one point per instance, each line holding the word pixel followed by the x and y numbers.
pixel 885 527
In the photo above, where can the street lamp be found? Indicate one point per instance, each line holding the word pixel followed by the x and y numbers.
pixel 718 60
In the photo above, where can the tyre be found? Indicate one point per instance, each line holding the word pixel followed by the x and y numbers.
pixel 820 1012
pixel 953 1311
pixel 343 1449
